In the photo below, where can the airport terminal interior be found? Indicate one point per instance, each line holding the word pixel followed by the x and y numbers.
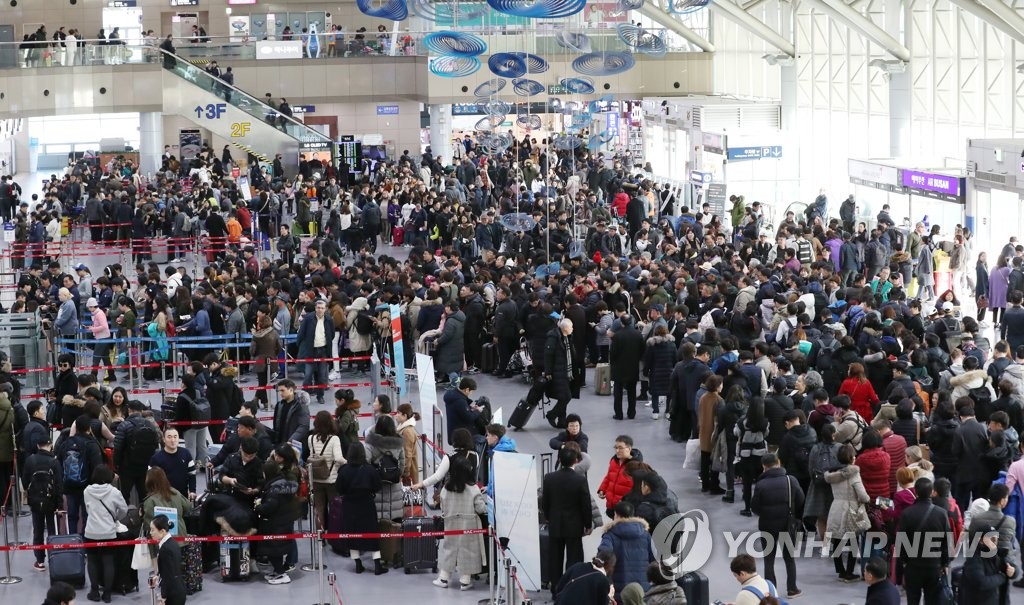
pixel 808 199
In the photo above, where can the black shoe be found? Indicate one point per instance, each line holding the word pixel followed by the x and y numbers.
pixel 746 512
pixel 617 417
pixel 106 596
pixel 379 568
pixel 1019 583
pixel 716 491
pixel 94 595
pixel 359 566
pixel 552 419
pixel 704 489
pixel 729 497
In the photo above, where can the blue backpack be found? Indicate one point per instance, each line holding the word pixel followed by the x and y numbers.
pixel 771 590
pixel 1015 505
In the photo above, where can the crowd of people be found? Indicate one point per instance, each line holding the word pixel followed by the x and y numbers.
pixel 820 377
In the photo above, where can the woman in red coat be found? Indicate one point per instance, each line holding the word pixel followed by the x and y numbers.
pixel 874 464
pixel 862 395
pixel 617 482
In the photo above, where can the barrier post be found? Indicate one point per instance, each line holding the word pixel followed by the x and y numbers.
pixel 492 573
pixel 8 578
pixel 16 493
pixel 510 582
pixel 320 563
pixel 314 564
pixel 333 580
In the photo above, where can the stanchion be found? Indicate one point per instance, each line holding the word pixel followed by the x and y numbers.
pixel 333 580
pixel 492 573
pixel 8 578
pixel 154 583
pixel 314 564
pixel 510 582
pixel 320 563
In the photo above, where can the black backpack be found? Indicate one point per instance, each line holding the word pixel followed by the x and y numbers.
pixel 981 397
pixel 875 253
pixel 364 323
pixel 42 491
pixel 802 460
pixel 826 461
pixel 388 468
pixel 199 408
pixel 140 445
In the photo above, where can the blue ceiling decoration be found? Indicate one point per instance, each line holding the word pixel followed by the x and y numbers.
pixel 392 10
pixel 630 5
pixel 538 9
pixel 607 63
pixel 495 107
pixel 454 44
pixel 454 67
pixel 488 123
pixel 531 121
pixel 641 40
pixel 577 42
pixel 490 87
pixel 507 65
pixel 681 7
pixel 566 142
pixel 582 86
pixel 527 88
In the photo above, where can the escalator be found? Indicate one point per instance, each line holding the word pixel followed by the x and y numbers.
pixel 233 114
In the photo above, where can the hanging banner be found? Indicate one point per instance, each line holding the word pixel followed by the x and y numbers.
pixel 396 341
pixel 428 395
pixel 515 513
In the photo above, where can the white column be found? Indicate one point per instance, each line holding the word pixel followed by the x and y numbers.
pixel 441 132
pixel 899 114
pixel 151 141
pixel 787 75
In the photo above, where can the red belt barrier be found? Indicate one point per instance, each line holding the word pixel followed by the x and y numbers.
pixel 257 538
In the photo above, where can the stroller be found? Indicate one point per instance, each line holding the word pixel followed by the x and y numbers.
pixel 520 362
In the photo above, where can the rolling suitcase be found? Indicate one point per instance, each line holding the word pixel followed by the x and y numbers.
pixel 192 567
pixel 420 553
pixel 235 561
pixel 67 564
pixel 390 548
pixel 545 545
pixel 488 358
pixel 521 415
pixel 397 236
pixel 695 587
pixel 603 379
pixel 334 525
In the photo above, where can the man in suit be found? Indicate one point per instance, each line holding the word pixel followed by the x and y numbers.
pixel 926 553
pixel 626 351
pixel 168 562
pixel 565 502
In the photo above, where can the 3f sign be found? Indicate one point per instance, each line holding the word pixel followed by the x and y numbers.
pixel 211 110
pixel 240 129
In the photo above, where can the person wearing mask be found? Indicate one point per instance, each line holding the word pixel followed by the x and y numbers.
pixel 565 503
pixel 462 503
pixel 777 499
pixel 177 463
pixel 357 483
pixel 291 415
pixel 105 507
pixel 168 561
pixel 918 522
pixel 627 536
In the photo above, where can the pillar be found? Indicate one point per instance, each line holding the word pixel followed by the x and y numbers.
pixel 441 132
pixel 788 90
pixel 151 141
pixel 899 114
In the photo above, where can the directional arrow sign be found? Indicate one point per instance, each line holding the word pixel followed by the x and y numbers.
pixel 199 111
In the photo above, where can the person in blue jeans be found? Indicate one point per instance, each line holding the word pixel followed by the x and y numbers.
pixel 316 332
pixel 79 455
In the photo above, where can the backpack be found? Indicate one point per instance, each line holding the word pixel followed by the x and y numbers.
pixel 140 445
pixel 199 408
pixel 875 254
pixel 772 592
pixel 862 427
pixel 981 396
pixel 319 470
pixel 42 491
pixel 186 226
pixel 75 465
pixel 387 468
pixel 826 461
pixel 364 323
pixel 954 332
pixel 802 459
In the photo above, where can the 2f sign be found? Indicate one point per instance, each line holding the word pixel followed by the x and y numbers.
pixel 240 129
pixel 211 110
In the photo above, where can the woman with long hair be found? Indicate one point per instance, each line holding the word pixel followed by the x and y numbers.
pixel 116 409
pixel 998 286
pixel 264 350
pixel 462 442
pixel 981 285
pixel 324 454
pixel 160 493
pixel 407 419
pixel 863 398
pixel 461 507
pixel 357 483
pixel 751 433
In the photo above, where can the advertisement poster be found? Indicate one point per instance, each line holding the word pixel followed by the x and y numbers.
pixel 428 395
pixel 603 14
pixel 190 141
pixel 172 516
pixel 515 514
pixel 396 340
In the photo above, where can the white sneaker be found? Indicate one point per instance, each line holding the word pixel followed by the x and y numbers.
pixel 647 404
pixel 333 375
pixel 654 415
pixel 279 579
pixel 440 583
pixel 466 586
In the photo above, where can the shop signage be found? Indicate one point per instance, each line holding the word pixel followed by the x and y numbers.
pixel 557 89
pixel 944 184
pixel 279 49
pixel 303 108
pixel 716 198
pixel 184 2
pixel 739 154
pixel 122 3
pixel 611 124
pixel 314 145
pixel 713 143
pixel 700 178
pixel 387 110
pixel 866 173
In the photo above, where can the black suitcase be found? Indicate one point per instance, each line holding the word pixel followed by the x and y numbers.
pixel 545 545
pixel 67 564
pixel 488 358
pixel 420 553
pixel 695 587
pixel 235 561
pixel 521 415
pixel 126 579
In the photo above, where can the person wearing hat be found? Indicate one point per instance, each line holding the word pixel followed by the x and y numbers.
pixel 100 330
pixel 84 281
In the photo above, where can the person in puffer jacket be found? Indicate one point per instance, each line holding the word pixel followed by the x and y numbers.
pixel 874 464
pixel 385 438
pixel 627 536
pixel 617 482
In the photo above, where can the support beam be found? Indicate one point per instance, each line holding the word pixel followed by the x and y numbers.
pixel 838 9
pixel 667 20
pixel 753 25
pixel 989 17
pixel 752 4
pixel 1007 14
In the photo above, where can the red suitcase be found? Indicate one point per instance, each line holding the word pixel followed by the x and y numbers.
pixel 397 236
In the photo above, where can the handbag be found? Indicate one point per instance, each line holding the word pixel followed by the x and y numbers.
pixel 140 555
pixel 719 453
pixel 794 524
pixel 121 527
pixel 857 517
pixel 946 595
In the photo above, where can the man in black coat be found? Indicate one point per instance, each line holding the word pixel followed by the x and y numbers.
pixel 474 309
pixel 970 442
pixel 565 502
pixel 627 350
pixel 1012 323
pixel 506 329
pixel 558 370
pixel 575 313
pixel 687 377
pixel 795 447
pixel 777 499
pixel 925 526
pixel 460 410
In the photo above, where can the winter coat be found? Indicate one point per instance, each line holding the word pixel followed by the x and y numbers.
pixel 707 414
pixel 219 391
pixel 558 364
pixel 777 497
pixel 848 494
pixel 659 503
pixel 389 497
pixel 616 482
pixel 331 452
pixel 626 352
pixel 665 594
pixel 629 539
pixel 963 383
pixel 458 413
pixel 265 346
pixel 451 344
pixel 410 443
pixel 659 359
pixel 775 408
pixel 307 333
pixel 178 502
pixel 6 429
pixel 862 397
pixel 463 554
pixel 357 342
pixel 357 484
pixel 797 438
pixel 940 438
pixel 983 579
pixel 819 494
pixel 105 506
pixel 874 467
pixel 896 447
pixel 998 284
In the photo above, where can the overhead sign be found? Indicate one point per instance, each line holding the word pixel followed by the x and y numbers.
pixel 716 198
pixel 935 183
pixel 387 110
pixel 212 111
pixel 557 89
pixel 864 173
pixel 739 154
pixel 303 109
pixel 122 3
pixel 278 49
pixel 700 178
pixel 184 2
pixel 713 143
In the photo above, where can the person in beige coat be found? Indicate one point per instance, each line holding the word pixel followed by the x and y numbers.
pixel 407 419
pixel 324 442
pixel 358 344
pixel 847 516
